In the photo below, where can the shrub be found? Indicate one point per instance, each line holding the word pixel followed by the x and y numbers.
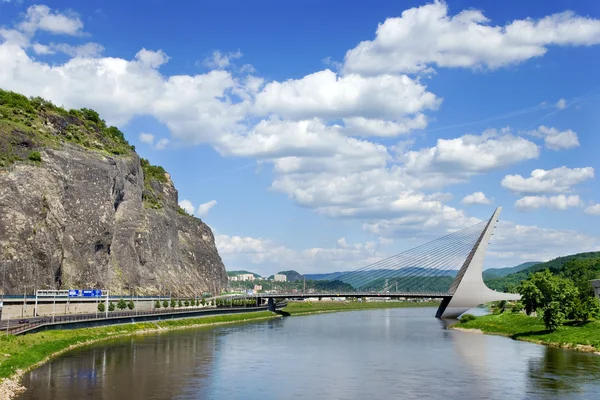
pixel 111 306
pixel 518 307
pixel 157 304
pixel 186 303
pixel 101 307
pixel 179 303
pixel 466 318
pixel 130 305
pixel 203 302
pixel 121 304
pixel 165 303
pixel 173 303
pixel 90 115
pixel 35 156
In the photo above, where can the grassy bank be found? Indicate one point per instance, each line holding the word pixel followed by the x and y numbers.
pixel 585 336
pixel 19 353
pixel 299 308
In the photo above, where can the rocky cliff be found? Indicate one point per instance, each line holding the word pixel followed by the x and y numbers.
pixel 80 209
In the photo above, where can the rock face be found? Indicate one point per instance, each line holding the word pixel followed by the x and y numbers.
pixel 78 219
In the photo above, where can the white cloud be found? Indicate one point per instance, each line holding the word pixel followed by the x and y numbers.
pixel 85 50
pixel 513 244
pixel 268 257
pixel 152 59
pixel 41 17
pixel 561 104
pixel 220 60
pixel 455 160
pixel 594 209
pixel 162 144
pixel 360 126
pixel 558 180
pixel 476 198
pixel 42 49
pixel 427 35
pixel 325 95
pixel 560 202
pixel 204 208
pixel 187 206
pixel 555 139
pixel 147 138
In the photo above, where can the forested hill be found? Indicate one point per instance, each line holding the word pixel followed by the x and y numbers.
pixel 583 264
pixel 500 272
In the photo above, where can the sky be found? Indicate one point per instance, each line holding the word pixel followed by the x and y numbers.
pixel 327 135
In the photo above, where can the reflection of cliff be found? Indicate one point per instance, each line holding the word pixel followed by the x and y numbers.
pixel 155 367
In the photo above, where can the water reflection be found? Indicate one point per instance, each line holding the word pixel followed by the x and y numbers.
pixel 395 353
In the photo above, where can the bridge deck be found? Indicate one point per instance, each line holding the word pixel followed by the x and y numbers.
pixel 418 295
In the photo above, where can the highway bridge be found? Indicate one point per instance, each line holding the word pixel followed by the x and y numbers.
pixel 456 258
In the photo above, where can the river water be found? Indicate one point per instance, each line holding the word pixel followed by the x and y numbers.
pixel 402 353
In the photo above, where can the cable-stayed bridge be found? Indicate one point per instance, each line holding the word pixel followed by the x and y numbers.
pixel 449 268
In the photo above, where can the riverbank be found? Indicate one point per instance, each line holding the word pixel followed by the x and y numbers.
pixel 19 354
pixel 315 307
pixel 581 337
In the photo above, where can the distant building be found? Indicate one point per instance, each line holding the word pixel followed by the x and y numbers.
pixel 245 277
pixel 233 278
pixel 596 286
pixel 257 288
pixel 280 278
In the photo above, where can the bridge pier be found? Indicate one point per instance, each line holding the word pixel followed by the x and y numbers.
pixel 271 304
pixel 468 289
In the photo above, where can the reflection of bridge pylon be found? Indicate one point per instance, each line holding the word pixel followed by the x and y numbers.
pixel 468 289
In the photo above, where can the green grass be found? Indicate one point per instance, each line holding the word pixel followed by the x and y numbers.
pixel 324 306
pixel 24 128
pixel 532 329
pixel 23 352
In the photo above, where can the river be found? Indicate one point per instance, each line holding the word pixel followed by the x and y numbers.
pixel 402 353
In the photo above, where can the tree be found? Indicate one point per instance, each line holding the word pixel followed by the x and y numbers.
pixel 531 296
pixel 502 306
pixel 173 303
pixel 553 316
pixel 111 306
pixel 121 304
pixel 130 305
pixel 165 303
pixel 518 307
pixel 101 307
pixel 157 304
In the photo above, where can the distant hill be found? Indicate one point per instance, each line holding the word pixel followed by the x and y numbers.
pixel 292 276
pixel 509 282
pixel 242 271
pixel 324 277
pixel 500 272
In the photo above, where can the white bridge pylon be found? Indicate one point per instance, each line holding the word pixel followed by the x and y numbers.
pixel 468 289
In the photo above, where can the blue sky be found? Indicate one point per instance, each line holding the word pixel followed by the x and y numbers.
pixel 325 135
